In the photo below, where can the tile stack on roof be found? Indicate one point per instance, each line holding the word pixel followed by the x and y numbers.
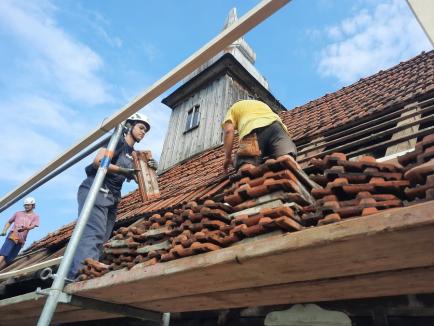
pixel 354 188
pixel 400 84
pixel 273 175
pixel 419 167
pixel 92 269
pixel 201 226
pixel 184 231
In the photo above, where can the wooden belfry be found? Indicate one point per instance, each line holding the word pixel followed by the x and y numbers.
pixel 147 177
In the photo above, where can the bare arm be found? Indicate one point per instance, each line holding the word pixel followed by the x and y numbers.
pixel 228 137
pixel 6 228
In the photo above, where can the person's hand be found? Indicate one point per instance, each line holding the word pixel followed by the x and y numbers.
pixel 153 164
pixel 3 234
pixel 227 163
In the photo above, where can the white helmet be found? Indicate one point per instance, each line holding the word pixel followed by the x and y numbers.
pixel 29 201
pixel 139 117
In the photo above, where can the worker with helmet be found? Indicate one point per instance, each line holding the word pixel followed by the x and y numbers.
pixel 23 222
pixel 103 215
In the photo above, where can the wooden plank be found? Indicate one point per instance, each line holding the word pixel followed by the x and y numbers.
pixel 64 316
pixel 256 15
pixel 363 150
pixel 25 310
pixel 369 127
pixel 25 306
pixel 31 268
pixel 401 282
pixel 420 133
pixel 354 246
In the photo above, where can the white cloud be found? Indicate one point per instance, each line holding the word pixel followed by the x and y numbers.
pixel 67 63
pixel 370 41
pixel 43 114
pixel 151 51
pixel 159 116
pixel 23 155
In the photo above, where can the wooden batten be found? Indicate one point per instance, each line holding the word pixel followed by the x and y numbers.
pixel 393 132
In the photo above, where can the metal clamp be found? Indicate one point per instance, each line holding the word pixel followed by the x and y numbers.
pixel 63 297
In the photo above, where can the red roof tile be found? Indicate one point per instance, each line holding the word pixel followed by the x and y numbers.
pixel 401 83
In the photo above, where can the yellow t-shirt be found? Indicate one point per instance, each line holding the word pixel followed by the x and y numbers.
pixel 247 115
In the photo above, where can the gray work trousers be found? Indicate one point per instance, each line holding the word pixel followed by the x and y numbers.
pixel 97 230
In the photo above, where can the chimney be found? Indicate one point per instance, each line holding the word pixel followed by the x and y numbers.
pixel 147 177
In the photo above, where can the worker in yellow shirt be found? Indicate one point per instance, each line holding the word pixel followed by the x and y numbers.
pixel 261 133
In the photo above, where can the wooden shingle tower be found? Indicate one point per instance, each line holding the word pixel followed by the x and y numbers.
pixel 200 103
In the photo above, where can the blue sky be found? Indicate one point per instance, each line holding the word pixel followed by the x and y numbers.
pixel 66 65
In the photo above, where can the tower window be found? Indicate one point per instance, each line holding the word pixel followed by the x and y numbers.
pixel 193 117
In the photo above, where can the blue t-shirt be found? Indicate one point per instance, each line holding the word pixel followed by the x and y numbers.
pixel 112 181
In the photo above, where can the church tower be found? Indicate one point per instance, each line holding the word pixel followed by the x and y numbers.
pixel 200 103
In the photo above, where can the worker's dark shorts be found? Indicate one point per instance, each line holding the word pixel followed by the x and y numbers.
pixel 10 250
pixel 273 141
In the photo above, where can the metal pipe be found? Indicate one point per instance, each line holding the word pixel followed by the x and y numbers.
pixel 165 321
pixel 59 279
pixel 56 172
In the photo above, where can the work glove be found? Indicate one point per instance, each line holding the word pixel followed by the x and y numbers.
pixel 153 164
pixel 131 174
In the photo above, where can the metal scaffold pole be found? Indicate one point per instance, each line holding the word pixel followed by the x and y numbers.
pixel 59 280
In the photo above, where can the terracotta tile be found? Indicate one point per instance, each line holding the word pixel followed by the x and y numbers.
pixel 288 224
pixel 253 230
pixel 331 218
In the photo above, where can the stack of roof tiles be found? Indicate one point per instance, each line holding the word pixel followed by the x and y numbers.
pixel 191 229
pixel 419 167
pixel 353 188
pixel 92 269
pixel 251 183
pixel 198 227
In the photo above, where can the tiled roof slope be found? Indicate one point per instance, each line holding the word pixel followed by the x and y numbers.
pixel 197 178
pixel 202 174
pixel 399 84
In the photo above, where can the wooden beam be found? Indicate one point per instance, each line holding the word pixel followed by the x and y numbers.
pixel 385 143
pixel 256 15
pixel 364 122
pixel 420 280
pixel 420 133
pixel 366 129
pixel 348 248
pixel 31 268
